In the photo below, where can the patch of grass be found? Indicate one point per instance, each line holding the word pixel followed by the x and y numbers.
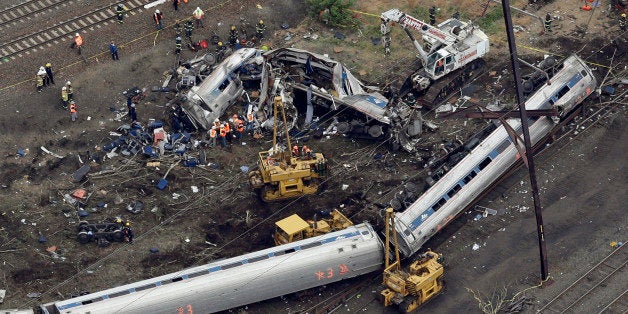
pixel 492 22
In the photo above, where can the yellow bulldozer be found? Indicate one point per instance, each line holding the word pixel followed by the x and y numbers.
pixel 281 174
pixel 409 290
pixel 294 228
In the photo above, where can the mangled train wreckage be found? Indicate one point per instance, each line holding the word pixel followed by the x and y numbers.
pixel 354 251
pixel 324 91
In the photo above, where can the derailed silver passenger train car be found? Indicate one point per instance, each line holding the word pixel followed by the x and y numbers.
pixel 488 161
pixel 220 89
pixel 241 280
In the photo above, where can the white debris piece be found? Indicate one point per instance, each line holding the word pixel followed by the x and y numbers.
pixel 194 189
pixel 475 246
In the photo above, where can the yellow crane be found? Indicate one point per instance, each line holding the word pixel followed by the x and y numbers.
pixel 282 175
pixel 294 228
pixel 408 290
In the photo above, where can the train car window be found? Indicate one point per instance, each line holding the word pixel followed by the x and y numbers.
pixel 365 232
pixel 407 232
pixel 454 190
pixel 583 73
pixel 484 163
pixel 258 258
pixel 288 251
pixel 176 279
pixel 232 265
pixel 87 302
pixel 502 146
pixel 353 246
pixel 562 92
pixel 439 204
pixel 117 294
pixel 144 287
pixel 198 273
pixel 340 250
pixel 469 177
pixel 310 245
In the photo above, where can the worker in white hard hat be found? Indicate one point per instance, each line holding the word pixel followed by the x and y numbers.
pixel 64 97
pixel 78 42
pixel 158 17
pixel 198 15
pixel 70 90
pixel 213 133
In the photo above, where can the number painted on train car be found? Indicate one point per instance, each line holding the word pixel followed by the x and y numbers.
pixel 181 310
pixel 331 272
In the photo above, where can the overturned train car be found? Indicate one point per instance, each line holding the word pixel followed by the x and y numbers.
pixel 490 159
pixel 241 280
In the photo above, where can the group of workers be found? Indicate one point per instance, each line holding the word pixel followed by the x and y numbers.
pixel 226 131
pixel 45 77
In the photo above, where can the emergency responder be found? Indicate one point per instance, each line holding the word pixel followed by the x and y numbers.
pixel 73 111
pixel 70 90
pixel 548 22
pixel 456 15
pixel 132 112
pixel 260 28
pixel 212 136
pixel 78 42
pixel 198 15
pixel 113 49
pixel 177 28
pixel 51 76
pixel 158 17
pixel 120 13
pixel 217 123
pixel 622 22
pixel 188 28
pixel 233 36
pixel 306 152
pixel 295 151
pixel 239 126
pixel 64 97
pixel 44 76
pixel 220 51
pixel 177 47
pixel 228 137
pixel 250 122
pixel 175 4
pixel 223 135
pixel 40 80
pixel 128 232
pixel 432 12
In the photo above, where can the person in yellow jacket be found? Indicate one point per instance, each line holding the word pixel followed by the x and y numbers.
pixel 64 97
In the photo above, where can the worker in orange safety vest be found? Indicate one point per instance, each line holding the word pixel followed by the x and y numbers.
pixel 78 42
pixel 227 131
pixel 223 135
pixel 212 136
pixel 73 111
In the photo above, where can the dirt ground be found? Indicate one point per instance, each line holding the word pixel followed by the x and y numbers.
pixel 581 185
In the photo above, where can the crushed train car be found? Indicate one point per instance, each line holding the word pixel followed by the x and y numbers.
pixel 320 90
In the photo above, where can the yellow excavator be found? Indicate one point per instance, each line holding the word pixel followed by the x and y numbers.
pixel 294 228
pixel 281 174
pixel 409 290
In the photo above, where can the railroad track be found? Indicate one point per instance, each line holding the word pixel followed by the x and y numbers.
pixel 595 288
pixel 21 12
pixel 63 31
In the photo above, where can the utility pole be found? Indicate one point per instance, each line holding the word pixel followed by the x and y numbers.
pixel 514 61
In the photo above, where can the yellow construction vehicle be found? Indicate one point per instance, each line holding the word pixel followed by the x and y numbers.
pixel 282 174
pixel 409 289
pixel 294 228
